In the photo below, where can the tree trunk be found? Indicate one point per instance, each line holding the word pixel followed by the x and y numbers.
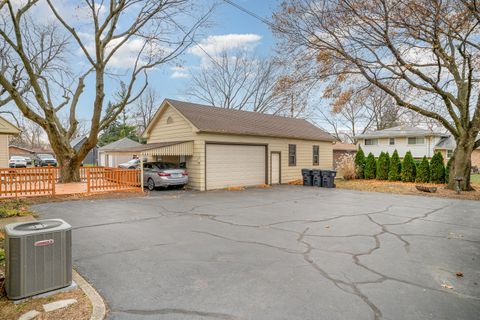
pixel 461 165
pixel 69 170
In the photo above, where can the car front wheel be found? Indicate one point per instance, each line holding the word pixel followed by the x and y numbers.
pixel 150 184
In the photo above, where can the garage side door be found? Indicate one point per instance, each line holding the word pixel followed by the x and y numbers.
pixel 234 165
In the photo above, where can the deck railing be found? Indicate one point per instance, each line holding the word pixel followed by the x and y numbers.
pixel 23 182
pixel 40 181
pixel 112 179
pixel 83 172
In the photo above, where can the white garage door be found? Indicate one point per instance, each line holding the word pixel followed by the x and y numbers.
pixel 234 165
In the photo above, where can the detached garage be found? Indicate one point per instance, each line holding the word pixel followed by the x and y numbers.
pixel 236 148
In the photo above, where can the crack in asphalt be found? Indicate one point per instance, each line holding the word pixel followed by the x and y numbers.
pixel 348 286
pixel 121 251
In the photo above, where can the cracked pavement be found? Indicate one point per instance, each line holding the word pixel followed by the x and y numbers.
pixel 287 252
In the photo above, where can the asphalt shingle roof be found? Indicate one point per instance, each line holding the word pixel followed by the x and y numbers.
pixel 400 131
pixel 229 121
pixel 118 145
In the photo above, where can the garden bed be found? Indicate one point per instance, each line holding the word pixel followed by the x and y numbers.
pixel 406 188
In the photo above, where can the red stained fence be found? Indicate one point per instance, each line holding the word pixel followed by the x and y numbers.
pixel 40 181
pixel 22 182
pixel 113 179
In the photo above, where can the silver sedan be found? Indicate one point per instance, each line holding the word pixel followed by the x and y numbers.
pixel 163 174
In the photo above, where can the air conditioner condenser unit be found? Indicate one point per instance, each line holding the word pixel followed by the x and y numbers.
pixel 38 257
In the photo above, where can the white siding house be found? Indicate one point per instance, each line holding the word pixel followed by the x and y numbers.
pixel 419 142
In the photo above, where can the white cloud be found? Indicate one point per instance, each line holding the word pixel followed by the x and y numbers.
pixel 179 72
pixel 213 45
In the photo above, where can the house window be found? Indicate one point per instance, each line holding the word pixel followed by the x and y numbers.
pixel 169 120
pixel 416 140
pixel 316 155
pixel 292 155
pixel 392 141
pixel 371 142
pixel 449 154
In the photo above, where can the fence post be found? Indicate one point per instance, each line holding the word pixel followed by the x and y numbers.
pixel 53 180
pixel 87 171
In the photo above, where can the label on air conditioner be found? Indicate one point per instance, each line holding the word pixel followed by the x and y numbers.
pixel 43 243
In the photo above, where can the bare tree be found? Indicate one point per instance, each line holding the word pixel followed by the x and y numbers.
pixel 42 55
pixel 237 81
pixel 424 54
pixel 31 135
pixel 145 107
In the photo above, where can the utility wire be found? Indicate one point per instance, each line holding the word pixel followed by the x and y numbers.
pixel 187 34
pixel 250 13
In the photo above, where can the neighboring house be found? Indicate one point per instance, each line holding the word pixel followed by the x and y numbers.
pixel 340 149
pixel 6 130
pixel 447 145
pixel 112 154
pixel 92 155
pixel 20 151
pixel 225 147
pixel 419 141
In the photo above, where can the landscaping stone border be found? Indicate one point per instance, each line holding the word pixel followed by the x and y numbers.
pixel 99 309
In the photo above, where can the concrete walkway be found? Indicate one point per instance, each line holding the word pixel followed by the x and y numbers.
pixel 287 252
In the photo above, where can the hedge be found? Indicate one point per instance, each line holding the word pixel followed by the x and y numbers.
pixel 437 168
pixel 408 168
pixel 360 163
pixel 395 167
pixel 383 166
pixel 370 167
pixel 423 172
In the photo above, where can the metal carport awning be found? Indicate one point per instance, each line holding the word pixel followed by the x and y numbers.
pixel 174 148
pixel 178 148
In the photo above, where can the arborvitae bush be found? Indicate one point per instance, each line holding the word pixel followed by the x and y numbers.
pixel 395 167
pixel 423 171
pixel 370 167
pixel 447 169
pixel 437 168
pixel 408 168
pixel 382 166
pixel 360 163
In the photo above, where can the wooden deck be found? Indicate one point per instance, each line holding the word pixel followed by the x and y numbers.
pixel 70 188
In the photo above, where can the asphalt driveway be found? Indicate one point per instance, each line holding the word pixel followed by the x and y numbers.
pixel 287 252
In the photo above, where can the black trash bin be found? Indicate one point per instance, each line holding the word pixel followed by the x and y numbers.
pixel 317 178
pixel 328 178
pixel 307 177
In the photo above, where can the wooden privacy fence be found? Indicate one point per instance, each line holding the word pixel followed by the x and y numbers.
pixel 22 182
pixel 113 179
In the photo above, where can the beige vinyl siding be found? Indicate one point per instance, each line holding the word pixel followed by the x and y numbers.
pixel 304 155
pixel 196 166
pixel 178 130
pixel 4 156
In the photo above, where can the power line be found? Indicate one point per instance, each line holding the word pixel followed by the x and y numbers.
pixel 187 34
pixel 250 13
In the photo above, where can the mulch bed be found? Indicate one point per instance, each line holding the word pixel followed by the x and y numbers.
pixel 406 188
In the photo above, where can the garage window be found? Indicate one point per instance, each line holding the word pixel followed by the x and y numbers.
pixel 292 155
pixel 316 154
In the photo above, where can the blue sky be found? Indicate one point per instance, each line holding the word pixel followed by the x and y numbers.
pixel 226 20
pixel 228 28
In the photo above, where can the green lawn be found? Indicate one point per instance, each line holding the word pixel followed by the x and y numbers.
pixel 475 178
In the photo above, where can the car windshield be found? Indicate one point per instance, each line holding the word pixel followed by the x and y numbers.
pixel 45 156
pixel 166 165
